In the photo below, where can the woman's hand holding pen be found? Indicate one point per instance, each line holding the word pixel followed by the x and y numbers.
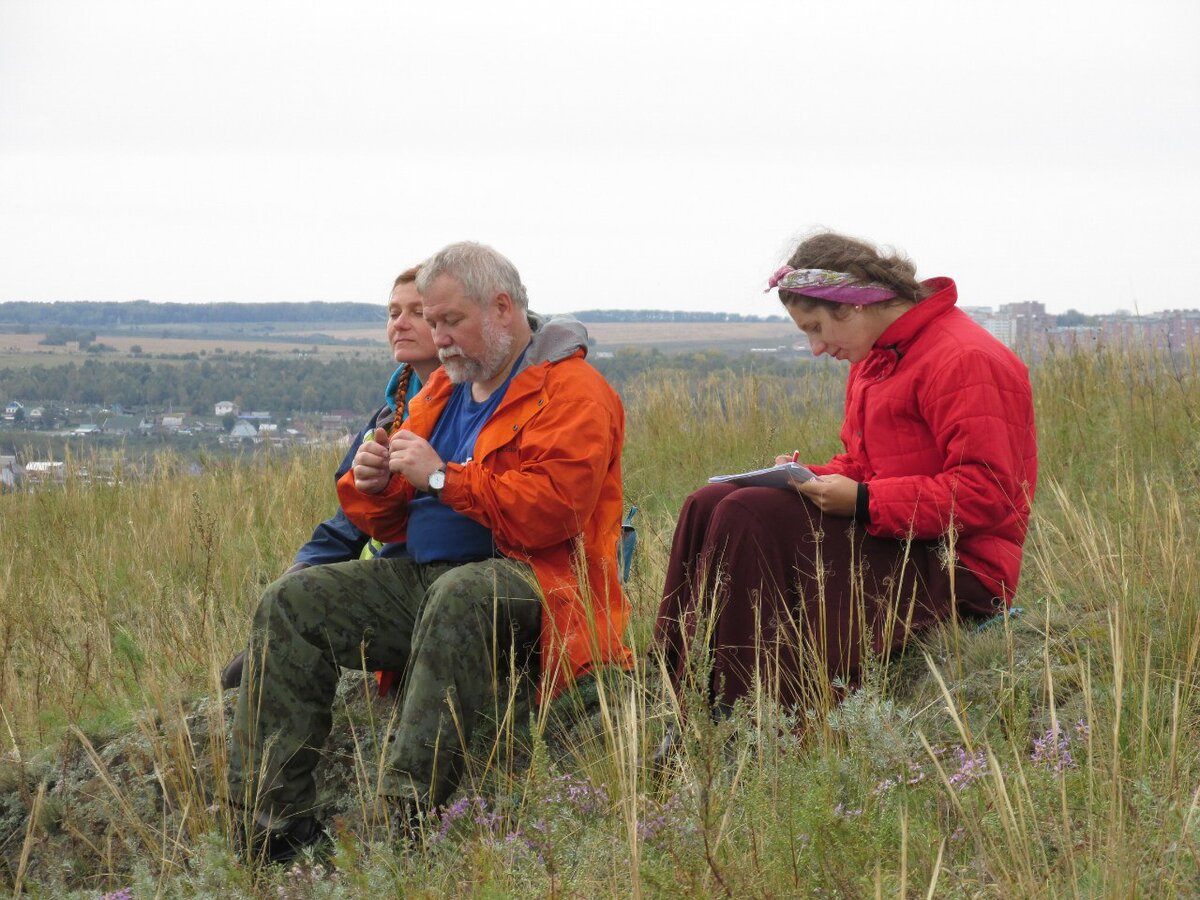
pixel 834 494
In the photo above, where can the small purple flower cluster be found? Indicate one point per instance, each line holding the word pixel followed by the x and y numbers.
pixel 534 841
pixel 491 824
pixel 1052 751
pixel 915 775
pixel 473 809
pixel 841 812
pixel 971 767
pixel 579 795
pixel 654 827
pixel 122 894
pixel 300 881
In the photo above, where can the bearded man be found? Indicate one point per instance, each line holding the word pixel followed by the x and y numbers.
pixel 505 482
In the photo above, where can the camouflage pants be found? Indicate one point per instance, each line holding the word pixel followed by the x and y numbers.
pixel 451 628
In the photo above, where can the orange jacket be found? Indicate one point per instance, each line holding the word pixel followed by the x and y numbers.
pixel 546 480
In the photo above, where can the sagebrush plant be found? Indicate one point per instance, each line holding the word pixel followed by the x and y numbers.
pixel 1053 753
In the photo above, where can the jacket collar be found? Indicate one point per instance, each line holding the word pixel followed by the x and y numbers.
pixel 895 341
pixel 901 333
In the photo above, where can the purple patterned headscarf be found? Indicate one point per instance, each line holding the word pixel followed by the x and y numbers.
pixel 825 284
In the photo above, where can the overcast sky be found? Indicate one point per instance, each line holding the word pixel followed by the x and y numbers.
pixel 622 154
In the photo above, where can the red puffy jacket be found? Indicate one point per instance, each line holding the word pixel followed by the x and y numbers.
pixel 939 424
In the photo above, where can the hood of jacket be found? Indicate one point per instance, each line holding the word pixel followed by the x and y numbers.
pixel 555 338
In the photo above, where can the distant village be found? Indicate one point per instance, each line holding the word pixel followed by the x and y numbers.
pixel 228 427
pixel 1026 327
pixel 1032 332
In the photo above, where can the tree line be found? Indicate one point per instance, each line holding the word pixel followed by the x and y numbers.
pixel 33 315
pixel 287 386
pixel 282 386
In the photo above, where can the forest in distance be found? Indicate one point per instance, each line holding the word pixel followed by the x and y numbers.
pixel 34 315
pixel 288 386
pixel 296 358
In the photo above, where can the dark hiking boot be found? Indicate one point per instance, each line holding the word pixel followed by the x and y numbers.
pixel 290 842
pixel 231 675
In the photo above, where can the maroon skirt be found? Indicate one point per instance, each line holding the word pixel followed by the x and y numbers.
pixel 774 591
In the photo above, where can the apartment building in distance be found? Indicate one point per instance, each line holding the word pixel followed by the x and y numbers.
pixel 1032 332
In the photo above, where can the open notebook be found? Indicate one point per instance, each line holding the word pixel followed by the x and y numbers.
pixel 777 476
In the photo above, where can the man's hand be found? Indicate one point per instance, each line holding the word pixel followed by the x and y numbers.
pixel 833 494
pixel 371 473
pixel 413 458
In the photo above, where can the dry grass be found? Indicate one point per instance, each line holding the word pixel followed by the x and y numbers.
pixel 937 778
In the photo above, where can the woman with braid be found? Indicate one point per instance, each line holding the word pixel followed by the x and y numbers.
pixel 921 518
pixel 336 539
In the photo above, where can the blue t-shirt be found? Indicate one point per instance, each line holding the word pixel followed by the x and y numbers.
pixel 436 533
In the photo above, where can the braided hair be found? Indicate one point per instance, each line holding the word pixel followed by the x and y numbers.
pixel 402 383
pixel 408 276
pixel 829 250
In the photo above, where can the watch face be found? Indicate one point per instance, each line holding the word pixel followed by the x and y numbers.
pixel 437 480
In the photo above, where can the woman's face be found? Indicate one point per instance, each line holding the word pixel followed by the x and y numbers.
pixel 410 338
pixel 849 337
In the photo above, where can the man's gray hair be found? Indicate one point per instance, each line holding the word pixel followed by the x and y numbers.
pixel 482 272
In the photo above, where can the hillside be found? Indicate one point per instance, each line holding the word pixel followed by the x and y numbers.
pixel 1053 754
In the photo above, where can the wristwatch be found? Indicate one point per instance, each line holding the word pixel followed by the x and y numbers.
pixel 437 481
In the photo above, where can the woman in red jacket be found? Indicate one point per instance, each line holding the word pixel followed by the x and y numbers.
pixel 939 467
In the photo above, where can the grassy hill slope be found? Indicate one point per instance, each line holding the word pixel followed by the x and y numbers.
pixel 1052 754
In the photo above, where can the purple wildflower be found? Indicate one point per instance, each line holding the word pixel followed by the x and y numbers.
pixel 121 894
pixel 971 767
pixel 653 827
pixel 578 794
pixel 489 821
pixel 915 775
pixel 538 840
pixel 519 840
pixel 884 786
pixel 300 881
pixel 1052 751
pixel 463 809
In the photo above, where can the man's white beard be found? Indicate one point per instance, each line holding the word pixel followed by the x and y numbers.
pixel 462 368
